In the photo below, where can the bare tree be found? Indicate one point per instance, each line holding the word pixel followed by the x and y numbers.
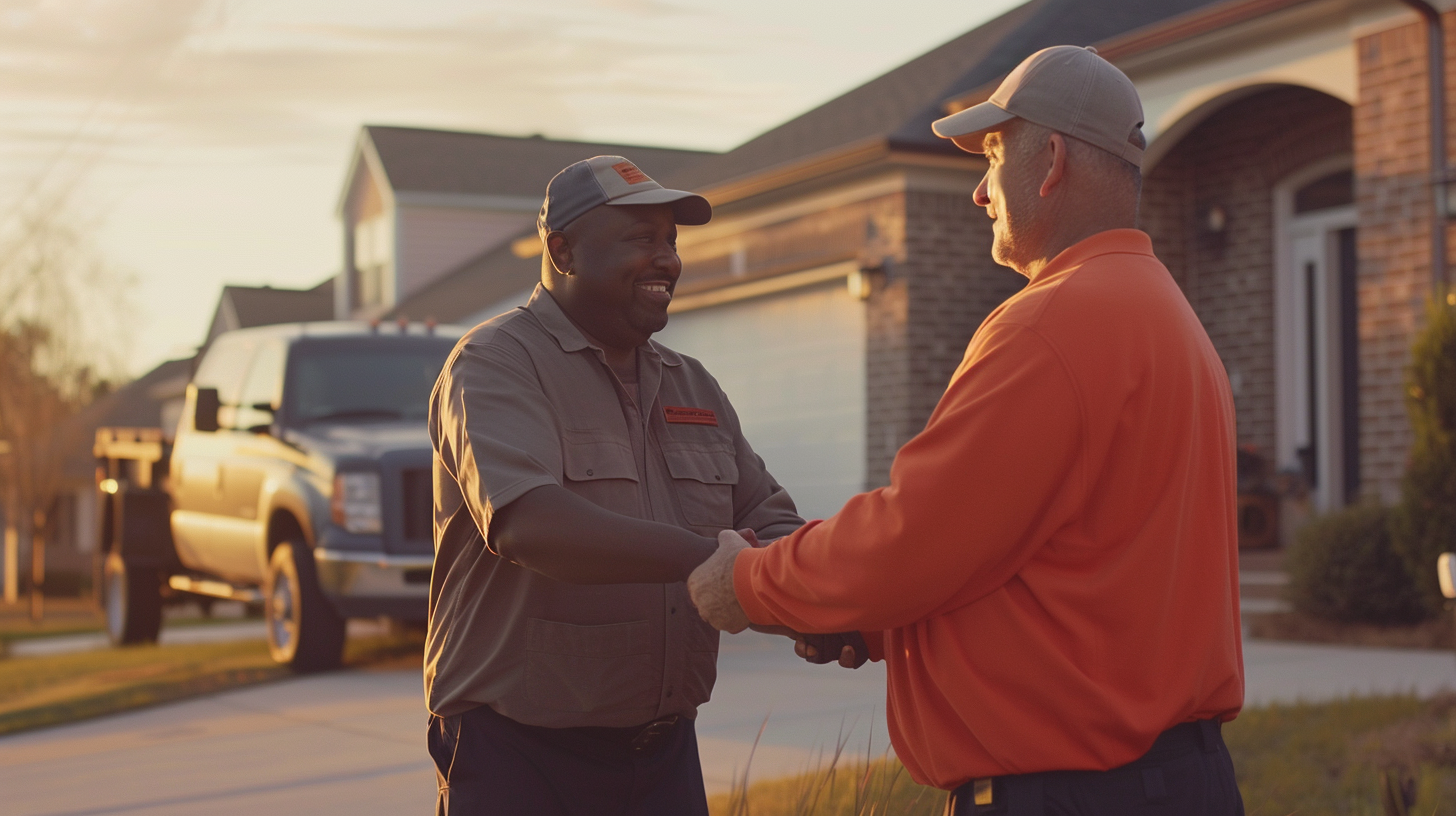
pixel 61 339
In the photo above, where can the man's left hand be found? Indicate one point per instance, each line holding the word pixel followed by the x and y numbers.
pixel 711 586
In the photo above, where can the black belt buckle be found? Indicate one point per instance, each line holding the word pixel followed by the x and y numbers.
pixel 653 735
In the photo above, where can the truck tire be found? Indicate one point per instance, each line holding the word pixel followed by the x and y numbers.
pixel 133 597
pixel 305 632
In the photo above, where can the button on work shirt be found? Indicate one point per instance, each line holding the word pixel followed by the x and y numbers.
pixel 526 400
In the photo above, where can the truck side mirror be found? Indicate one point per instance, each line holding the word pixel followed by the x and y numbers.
pixel 208 404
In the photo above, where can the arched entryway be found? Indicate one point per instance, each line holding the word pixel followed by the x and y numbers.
pixel 1252 210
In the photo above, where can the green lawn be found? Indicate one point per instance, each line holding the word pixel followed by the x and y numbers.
pixel 1310 760
pixel 42 691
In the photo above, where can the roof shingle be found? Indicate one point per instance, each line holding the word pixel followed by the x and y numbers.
pixel 444 161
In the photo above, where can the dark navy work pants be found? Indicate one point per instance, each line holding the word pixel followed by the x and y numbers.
pixel 1188 772
pixel 490 765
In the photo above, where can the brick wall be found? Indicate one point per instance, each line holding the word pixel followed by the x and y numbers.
pixel 1233 160
pixel 942 284
pixel 1392 193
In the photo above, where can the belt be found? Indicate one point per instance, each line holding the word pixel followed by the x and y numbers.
pixel 1021 794
pixel 642 739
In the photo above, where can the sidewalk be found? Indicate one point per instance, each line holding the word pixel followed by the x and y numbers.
pixel 195 632
pixel 353 742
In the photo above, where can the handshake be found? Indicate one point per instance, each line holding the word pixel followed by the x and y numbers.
pixel 711 588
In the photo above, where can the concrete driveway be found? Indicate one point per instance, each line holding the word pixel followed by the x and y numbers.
pixel 353 742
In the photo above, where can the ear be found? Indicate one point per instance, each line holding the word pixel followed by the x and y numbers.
pixel 1058 166
pixel 558 249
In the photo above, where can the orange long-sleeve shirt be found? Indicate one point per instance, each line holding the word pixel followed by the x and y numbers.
pixel 1051 574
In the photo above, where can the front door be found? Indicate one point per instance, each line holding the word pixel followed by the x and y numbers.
pixel 1317 339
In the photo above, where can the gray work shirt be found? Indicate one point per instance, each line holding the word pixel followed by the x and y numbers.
pixel 525 400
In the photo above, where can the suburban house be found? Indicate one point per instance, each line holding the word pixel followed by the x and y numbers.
pixel 242 307
pixel 1287 187
pixel 418 205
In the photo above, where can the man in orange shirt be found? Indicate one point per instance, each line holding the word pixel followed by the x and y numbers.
pixel 1051 574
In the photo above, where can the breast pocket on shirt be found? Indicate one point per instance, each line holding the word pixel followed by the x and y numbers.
pixel 600 468
pixel 703 480
pixel 590 669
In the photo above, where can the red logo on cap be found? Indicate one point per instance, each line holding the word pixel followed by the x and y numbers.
pixel 629 173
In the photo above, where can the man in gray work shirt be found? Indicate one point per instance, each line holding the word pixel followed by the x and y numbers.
pixel 581 472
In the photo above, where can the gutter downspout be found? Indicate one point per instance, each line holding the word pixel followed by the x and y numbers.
pixel 1436 81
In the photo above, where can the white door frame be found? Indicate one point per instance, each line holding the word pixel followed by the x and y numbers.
pixel 1303 244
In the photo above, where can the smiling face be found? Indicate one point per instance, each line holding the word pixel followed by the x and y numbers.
pixel 623 267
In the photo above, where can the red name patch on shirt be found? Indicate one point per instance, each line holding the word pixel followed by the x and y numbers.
pixel 690 416
pixel 629 173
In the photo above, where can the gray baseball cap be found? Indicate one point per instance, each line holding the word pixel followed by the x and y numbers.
pixel 1068 89
pixel 612 180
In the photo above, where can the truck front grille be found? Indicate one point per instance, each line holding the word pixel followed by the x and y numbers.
pixel 419 507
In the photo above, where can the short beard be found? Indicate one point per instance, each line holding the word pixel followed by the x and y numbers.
pixel 1016 243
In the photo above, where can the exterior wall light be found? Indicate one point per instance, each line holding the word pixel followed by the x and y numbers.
pixel 1215 220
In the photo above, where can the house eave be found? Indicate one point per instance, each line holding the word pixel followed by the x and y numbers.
pixel 367 156
pixel 1135 49
pixel 839 161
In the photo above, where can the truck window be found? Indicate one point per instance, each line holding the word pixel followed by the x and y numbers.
pixel 263 385
pixel 363 382
pixel 222 368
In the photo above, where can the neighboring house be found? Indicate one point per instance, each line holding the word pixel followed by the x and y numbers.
pixel 1287 187
pixel 242 307
pixel 155 400
pixel 420 204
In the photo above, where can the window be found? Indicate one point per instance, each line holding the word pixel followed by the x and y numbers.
pixel 364 381
pixel 1335 190
pixel 263 386
pixel 372 255
pixel 222 368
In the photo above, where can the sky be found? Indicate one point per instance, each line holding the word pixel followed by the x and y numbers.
pixel 199 143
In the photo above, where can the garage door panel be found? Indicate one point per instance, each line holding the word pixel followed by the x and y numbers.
pixel 793 365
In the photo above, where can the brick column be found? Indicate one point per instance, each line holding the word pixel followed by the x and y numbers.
pixel 1393 196
pixel 940 287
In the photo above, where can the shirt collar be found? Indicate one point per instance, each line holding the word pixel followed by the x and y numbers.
pixel 570 338
pixel 1108 242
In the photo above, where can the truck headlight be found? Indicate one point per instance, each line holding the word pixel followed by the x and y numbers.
pixel 355 502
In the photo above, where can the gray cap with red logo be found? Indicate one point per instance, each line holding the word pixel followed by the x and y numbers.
pixel 616 181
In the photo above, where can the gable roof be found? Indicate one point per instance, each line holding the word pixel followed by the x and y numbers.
pixel 243 307
pixel 897 108
pixel 447 161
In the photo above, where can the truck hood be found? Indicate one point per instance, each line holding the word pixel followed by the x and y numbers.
pixel 361 440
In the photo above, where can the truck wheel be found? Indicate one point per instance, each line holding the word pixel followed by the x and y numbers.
pixel 133 597
pixel 305 633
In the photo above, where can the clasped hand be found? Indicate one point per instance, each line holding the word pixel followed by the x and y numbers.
pixel 712 592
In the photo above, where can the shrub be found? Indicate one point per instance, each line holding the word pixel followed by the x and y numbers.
pixel 1423 525
pixel 1342 567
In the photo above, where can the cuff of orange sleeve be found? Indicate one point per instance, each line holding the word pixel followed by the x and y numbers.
pixel 743 589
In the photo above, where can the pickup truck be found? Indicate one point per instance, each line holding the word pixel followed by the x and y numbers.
pixel 299 478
